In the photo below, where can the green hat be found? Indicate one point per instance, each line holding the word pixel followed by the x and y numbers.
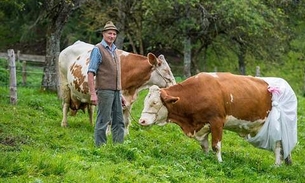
pixel 110 26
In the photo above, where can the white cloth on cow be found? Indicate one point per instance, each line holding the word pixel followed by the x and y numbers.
pixel 281 123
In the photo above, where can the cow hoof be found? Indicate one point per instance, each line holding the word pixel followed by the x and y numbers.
pixel 288 160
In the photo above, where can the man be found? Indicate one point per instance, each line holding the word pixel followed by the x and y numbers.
pixel 105 65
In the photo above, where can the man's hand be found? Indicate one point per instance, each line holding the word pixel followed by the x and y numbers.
pixel 123 101
pixel 93 99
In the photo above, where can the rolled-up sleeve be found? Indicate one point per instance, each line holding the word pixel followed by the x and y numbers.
pixel 95 59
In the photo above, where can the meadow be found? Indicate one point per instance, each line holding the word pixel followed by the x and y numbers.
pixel 35 148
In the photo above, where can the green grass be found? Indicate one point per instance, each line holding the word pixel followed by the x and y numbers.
pixel 35 148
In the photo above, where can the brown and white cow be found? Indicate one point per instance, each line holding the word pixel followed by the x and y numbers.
pixel 262 110
pixel 138 72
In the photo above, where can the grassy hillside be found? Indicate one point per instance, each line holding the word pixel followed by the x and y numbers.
pixel 35 148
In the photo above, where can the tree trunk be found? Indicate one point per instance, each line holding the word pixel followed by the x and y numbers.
pixel 132 44
pixel 121 25
pixel 57 12
pixel 50 79
pixel 139 37
pixel 141 47
pixel 241 60
pixel 187 58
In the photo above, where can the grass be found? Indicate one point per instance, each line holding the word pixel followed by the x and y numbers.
pixel 35 148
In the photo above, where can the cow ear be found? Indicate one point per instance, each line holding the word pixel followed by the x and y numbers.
pixel 154 88
pixel 168 98
pixel 152 59
pixel 171 99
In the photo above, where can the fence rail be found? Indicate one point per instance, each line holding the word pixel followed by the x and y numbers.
pixel 25 57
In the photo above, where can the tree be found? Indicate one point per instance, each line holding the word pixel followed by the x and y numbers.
pixel 183 28
pixel 126 15
pixel 256 29
pixel 247 28
pixel 19 25
pixel 187 46
pixel 253 28
pixel 57 14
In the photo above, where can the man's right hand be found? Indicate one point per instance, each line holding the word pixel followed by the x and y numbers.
pixel 93 99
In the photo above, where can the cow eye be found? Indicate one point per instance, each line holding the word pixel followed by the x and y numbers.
pixel 166 71
pixel 153 103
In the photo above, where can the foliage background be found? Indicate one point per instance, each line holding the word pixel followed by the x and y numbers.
pixel 232 36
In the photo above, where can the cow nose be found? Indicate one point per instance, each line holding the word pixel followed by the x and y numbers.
pixel 142 121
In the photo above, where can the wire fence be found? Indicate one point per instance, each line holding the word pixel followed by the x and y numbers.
pixel 28 74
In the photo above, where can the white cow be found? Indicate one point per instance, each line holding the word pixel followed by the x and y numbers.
pixel 138 73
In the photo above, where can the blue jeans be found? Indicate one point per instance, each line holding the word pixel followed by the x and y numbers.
pixel 109 109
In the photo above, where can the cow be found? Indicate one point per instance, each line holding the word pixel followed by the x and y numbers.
pixel 262 110
pixel 138 73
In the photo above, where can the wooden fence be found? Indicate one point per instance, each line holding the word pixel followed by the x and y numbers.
pixel 12 58
pixel 25 57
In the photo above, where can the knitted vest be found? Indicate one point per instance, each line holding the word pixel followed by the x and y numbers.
pixel 108 75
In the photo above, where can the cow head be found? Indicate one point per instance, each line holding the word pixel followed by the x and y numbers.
pixel 154 112
pixel 162 74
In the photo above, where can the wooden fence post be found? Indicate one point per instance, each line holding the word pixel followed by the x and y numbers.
pixel 13 80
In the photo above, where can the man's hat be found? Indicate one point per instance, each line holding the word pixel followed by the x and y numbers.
pixel 110 26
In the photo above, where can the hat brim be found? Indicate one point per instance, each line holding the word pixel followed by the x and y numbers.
pixel 103 30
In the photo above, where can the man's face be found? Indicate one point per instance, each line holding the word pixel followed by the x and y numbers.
pixel 109 36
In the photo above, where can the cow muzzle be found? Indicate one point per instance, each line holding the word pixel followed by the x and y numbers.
pixel 147 118
pixel 143 122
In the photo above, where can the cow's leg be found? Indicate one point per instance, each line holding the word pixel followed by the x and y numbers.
pixel 90 113
pixel 66 96
pixel 216 130
pixel 288 160
pixel 205 144
pixel 202 136
pixel 108 130
pixel 126 117
pixel 217 149
pixel 65 110
pixel 278 153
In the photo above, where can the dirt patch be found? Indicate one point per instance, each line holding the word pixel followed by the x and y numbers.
pixel 12 140
pixel 9 141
